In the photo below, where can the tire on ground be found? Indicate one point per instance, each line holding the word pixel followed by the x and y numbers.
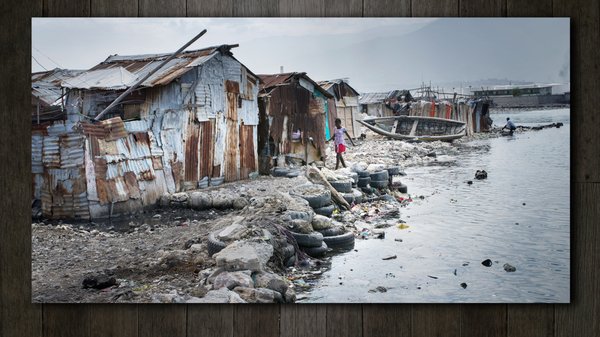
pixel 349 197
pixel 332 231
pixel 379 183
pixel 341 240
pixel 380 175
pixel 214 245
pixel 280 172
pixel 364 181
pixel 343 186
pixel 316 251
pixel 320 199
pixel 314 239
pixel 326 210
pixel 403 188
pixel 290 261
pixel 287 251
pixel 394 170
pixel 362 173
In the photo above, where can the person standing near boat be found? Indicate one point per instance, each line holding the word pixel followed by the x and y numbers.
pixel 340 143
pixel 510 125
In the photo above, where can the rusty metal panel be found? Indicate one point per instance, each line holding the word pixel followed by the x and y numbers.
pixel 247 151
pixel 115 128
pixel 191 153
pixel 206 148
pixel 153 189
pixel 232 86
pixel 132 185
pixel 232 153
pixel 71 150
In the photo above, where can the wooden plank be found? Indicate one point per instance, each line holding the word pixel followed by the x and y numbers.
pixel 18 317
pixel 386 8
pixel 114 320
pixel 429 8
pixel 209 8
pixel 114 8
pixel 580 318
pixel 210 320
pixel 67 320
pixel 344 320
pixel 66 8
pixel 158 320
pixel 482 8
pixel 343 8
pixel 529 8
pixel 299 320
pixel 435 320
pixel 301 7
pixel 479 320
pixel 255 7
pixel 525 320
pixel 162 8
pixel 386 320
pixel 256 320
pixel 585 70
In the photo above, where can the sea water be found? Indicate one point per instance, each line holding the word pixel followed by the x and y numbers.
pixel 519 215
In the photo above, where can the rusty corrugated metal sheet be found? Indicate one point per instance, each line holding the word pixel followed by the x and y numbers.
pixel 206 147
pixel 96 130
pixel 247 151
pixel 115 128
pixel 231 163
pixel 191 153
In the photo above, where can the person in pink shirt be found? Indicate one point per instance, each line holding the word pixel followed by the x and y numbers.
pixel 340 143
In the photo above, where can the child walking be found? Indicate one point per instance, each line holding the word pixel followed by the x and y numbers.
pixel 340 143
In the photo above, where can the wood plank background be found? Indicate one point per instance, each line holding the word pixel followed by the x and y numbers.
pixel 18 317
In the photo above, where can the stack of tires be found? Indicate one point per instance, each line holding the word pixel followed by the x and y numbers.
pixel 312 243
pixel 285 172
pixel 336 237
pixel 379 179
pixel 396 185
pixel 348 189
pixel 318 197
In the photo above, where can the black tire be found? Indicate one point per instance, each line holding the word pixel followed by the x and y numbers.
pixel 403 188
pixel 380 175
pixel 342 240
pixel 332 231
pixel 316 251
pixel 214 245
pixel 354 177
pixel 315 200
pixel 349 197
pixel 325 211
pixel 379 184
pixel 280 172
pixel 343 186
pixel 364 182
pixel 394 170
pixel 314 239
pixel 362 174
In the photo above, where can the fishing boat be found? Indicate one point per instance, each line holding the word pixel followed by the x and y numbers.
pixel 416 128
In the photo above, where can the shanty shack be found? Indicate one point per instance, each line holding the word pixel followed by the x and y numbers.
pixel 192 121
pixel 295 118
pixel 385 104
pixel 346 104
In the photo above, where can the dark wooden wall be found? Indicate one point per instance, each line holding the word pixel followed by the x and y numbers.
pixel 18 317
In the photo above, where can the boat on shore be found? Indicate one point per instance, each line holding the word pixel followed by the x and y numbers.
pixel 416 128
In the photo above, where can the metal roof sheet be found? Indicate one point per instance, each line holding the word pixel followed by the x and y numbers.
pixel 269 81
pixel 122 71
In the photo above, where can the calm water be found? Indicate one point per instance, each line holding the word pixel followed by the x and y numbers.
pixel 520 215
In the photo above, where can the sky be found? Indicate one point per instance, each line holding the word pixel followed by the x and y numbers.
pixel 374 54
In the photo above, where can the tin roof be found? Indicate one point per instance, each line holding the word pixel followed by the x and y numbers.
pixel 329 85
pixel 379 97
pixel 46 85
pixel 269 81
pixel 122 71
